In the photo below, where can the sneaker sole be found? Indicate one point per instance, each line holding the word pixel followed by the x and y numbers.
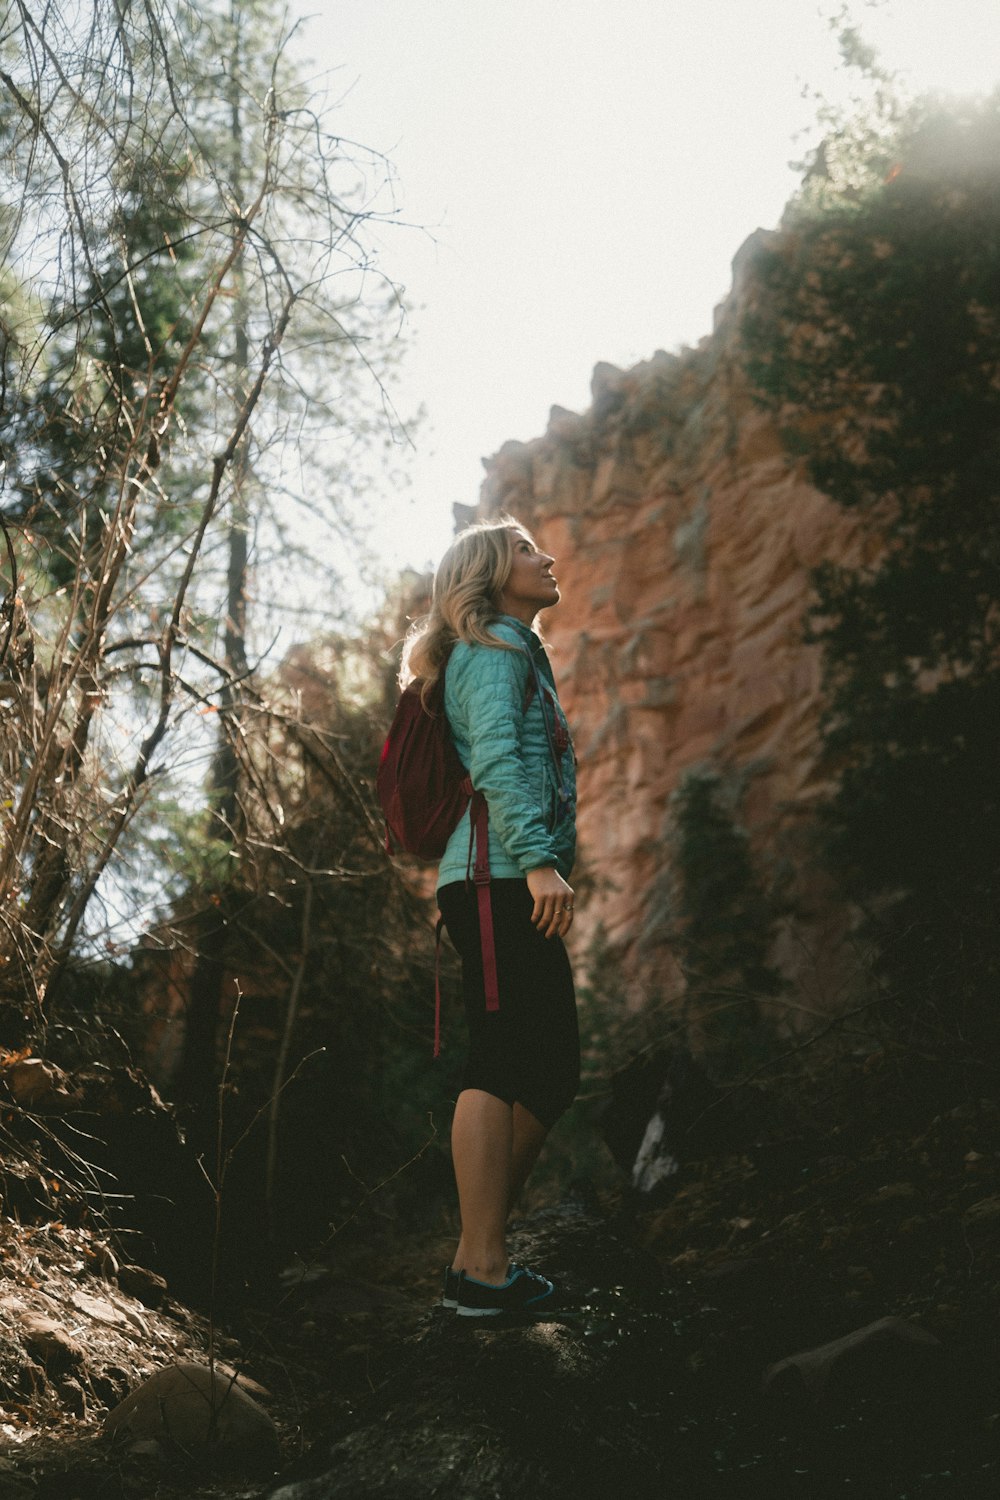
pixel 511 1317
pixel 535 1307
pixel 530 1310
pixel 449 1298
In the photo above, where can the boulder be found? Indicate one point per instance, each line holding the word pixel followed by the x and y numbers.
pixel 516 1409
pixel 192 1407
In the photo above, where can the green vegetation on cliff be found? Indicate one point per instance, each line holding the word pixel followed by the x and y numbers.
pixel 875 335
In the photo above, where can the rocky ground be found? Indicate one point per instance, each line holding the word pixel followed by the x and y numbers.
pixel 669 1373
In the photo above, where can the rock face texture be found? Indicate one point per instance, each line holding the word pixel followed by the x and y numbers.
pixel 684 535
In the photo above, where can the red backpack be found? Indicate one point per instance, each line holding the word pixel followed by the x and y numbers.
pixel 422 785
pixel 424 790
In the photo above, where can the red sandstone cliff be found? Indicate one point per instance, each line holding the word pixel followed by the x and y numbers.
pixel 684 535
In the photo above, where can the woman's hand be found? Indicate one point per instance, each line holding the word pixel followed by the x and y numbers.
pixel 553 910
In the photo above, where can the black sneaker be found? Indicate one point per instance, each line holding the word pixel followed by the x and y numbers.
pixel 523 1292
pixel 449 1297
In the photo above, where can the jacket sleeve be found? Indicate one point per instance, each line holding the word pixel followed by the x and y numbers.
pixel 490 687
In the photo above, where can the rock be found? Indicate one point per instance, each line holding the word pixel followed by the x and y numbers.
pixel 578 1248
pixel 104 1310
pixel 985 1213
pixel 895 1190
pixel 564 424
pixel 690 1118
pixel 655 1164
pixel 49 1342
pixel 189 1405
pixel 634 1092
pixel 74 1397
pixel 147 1448
pixel 39 1085
pixel 607 385
pixel 685 535
pixel 142 1284
pixel 685 1096
pixel 882 1361
pixel 740 1276
pixel 482 1413
pixel 473 1413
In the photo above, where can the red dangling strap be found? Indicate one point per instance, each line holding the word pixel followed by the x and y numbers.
pixel 479 817
pixel 478 831
pixel 437 985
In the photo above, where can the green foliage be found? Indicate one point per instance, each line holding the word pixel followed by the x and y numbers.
pixel 191 363
pixel 70 429
pixel 858 135
pixel 325 963
pixel 722 919
pixel 875 333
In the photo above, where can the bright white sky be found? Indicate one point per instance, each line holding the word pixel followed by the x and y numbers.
pixel 585 170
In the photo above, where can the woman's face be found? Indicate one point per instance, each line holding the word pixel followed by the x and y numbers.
pixel 531 586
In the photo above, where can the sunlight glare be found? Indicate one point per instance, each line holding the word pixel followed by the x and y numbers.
pixel 937 44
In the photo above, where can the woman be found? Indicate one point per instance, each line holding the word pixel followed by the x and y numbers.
pixel 523 1067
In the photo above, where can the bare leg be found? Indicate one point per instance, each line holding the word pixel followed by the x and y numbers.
pixel 529 1138
pixel 482 1138
pixel 493 1149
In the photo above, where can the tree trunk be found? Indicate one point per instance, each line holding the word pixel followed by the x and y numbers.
pixel 198 1063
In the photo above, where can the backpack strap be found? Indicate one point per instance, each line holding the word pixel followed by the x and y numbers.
pixel 437 985
pixel 479 829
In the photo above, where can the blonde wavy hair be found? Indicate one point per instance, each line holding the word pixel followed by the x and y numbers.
pixel 465 601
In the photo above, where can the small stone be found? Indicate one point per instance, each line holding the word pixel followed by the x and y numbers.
pixel 49 1342
pixel 986 1211
pixel 98 1308
pixel 147 1448
pixel 114 1313
pixel 74 1397
pixel 142 1284
pixel 37 1084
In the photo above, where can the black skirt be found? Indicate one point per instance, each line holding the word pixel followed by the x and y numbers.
pixel 527 1052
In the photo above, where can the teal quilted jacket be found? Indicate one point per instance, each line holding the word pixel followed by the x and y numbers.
pixel 506 749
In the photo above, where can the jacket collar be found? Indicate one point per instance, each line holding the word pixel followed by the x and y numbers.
pixel 529 635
